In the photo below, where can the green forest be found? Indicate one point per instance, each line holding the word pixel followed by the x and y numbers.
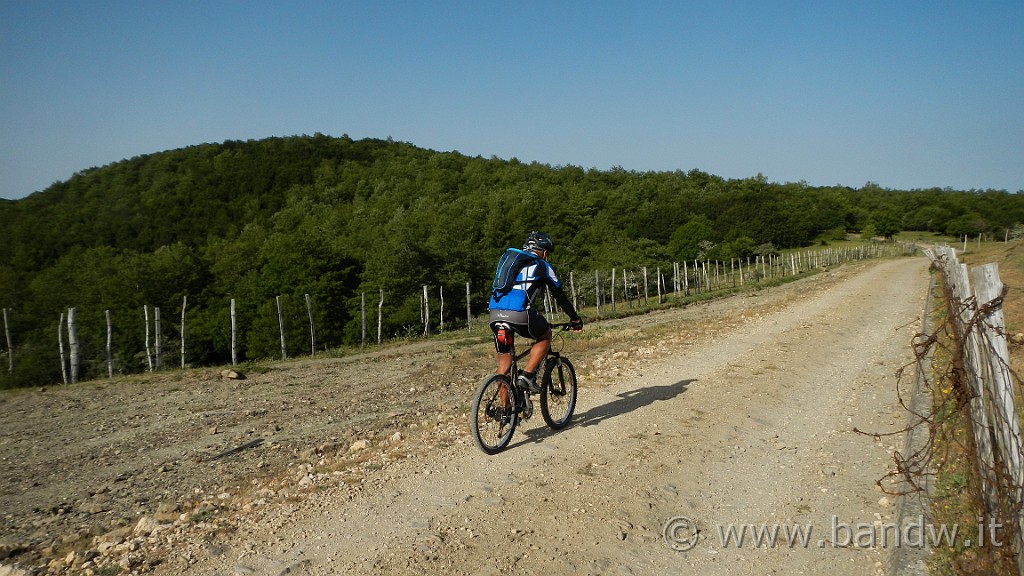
pixel 335 218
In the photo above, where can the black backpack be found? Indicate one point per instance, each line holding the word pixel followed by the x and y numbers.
pixel 509 265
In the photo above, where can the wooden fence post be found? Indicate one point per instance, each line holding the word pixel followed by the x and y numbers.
pixel 440 324
pixel 184 303
pixel 380 319
pixel 646 303
pixel 572 286
pixel 234 336
pixel 956 274
pixel 10 349
pixel 625 288
pixel 60 345
pixel 158 340
pixel 149 354
pixel 597 291
pixel 110 337
pixel 73 344
pixel 657 281
pixel 426 312
pixel 469 313
pixel 312 329
pixel 988 289
pixel 280 325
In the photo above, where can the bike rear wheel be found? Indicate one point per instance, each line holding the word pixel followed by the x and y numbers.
pixel 494 416
pixel 558 394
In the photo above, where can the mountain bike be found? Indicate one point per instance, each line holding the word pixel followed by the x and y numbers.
pixel 500 402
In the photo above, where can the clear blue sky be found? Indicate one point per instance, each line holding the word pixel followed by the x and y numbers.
pixel 904 94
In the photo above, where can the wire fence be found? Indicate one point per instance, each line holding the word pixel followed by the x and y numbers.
pixel 963 369
pixel 601 292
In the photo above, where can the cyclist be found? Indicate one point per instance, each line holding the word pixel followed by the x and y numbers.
pixel 520 276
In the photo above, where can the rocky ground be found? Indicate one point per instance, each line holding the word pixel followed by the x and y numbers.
pixel 736 412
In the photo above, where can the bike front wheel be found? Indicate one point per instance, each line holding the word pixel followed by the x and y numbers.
pixel 494 417
pixel 558 394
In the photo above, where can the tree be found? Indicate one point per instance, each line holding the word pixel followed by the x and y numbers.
pixel 686 241
pixel 886 223
pixel 738 248
pixel 970 224
pixel 929 218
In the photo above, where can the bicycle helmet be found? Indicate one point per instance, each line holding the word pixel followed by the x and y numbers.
pixel 539 241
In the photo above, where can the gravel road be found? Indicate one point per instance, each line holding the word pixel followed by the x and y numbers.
pixel 704 420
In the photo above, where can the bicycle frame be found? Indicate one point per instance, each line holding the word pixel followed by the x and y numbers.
pixel 513 370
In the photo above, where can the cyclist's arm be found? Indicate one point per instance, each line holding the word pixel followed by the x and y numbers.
pixel 555 286
pixel 564 302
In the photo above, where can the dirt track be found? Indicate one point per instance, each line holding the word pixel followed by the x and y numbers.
pixel 740 411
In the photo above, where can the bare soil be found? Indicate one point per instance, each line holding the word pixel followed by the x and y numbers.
pixel 738 411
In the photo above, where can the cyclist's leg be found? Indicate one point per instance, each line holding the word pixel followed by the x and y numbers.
pixel 504 363
pixel 503 349
pixel 537 352
pixel 541 332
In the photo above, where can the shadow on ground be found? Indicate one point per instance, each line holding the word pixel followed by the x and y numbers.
pixel 624 403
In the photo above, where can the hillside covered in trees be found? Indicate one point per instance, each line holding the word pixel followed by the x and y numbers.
pixel 336 218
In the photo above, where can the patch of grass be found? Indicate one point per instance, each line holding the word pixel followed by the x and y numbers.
pixel 471 341
pixel 254 368
pixel 954 495
pixel 927 238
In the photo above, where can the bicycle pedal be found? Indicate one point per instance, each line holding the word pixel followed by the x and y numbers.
pixel 528 409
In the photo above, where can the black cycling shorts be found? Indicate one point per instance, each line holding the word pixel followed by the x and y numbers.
pixel 528 323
